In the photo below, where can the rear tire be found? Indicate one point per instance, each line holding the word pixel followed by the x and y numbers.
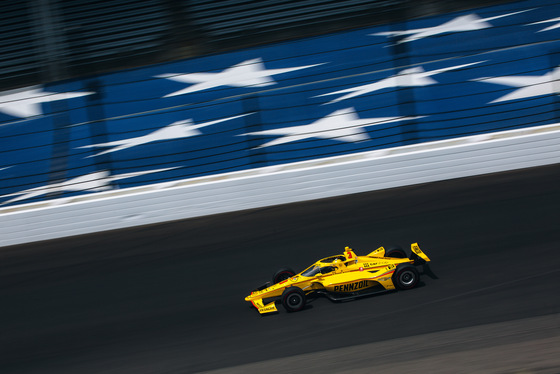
pixel 395 252
pixel 406 277
pixel 293 299
pixel 282 274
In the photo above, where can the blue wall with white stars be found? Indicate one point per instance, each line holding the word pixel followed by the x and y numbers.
pixel 472 72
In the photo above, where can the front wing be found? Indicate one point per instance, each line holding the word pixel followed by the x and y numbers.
pixel 264 309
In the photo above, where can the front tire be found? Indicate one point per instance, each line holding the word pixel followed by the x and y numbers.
pixel 406 277
pixel 282 274
pixel 293 299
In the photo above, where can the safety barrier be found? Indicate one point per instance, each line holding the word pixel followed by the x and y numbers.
pixel 274 185
pixel 463 75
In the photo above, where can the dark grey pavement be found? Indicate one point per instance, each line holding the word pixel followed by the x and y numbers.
pixel 168 298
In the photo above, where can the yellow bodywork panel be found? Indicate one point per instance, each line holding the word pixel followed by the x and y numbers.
pixel 356 280
pixel 379 252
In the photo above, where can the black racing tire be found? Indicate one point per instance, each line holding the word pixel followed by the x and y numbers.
pixel 282 274
pixel 395 252
pixel 406 277
pixel 293 299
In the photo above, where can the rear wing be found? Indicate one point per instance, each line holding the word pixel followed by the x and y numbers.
pixel 417 255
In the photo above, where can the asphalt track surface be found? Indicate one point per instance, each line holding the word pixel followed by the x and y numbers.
pixel 168 298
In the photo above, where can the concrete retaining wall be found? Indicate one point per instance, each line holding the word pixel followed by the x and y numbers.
pixel 336 176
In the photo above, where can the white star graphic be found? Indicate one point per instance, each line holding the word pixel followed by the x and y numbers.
pixel 530 86
pixel 468 22
pixel 342 125
pixel 413 77
pixel 552 27
pixel 27 103
pixel 176 130
pixel 250 73
pixel 93 182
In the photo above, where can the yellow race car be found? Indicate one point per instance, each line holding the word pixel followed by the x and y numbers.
pixel 341 277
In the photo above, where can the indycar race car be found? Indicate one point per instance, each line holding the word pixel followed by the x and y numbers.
pixel 341 277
